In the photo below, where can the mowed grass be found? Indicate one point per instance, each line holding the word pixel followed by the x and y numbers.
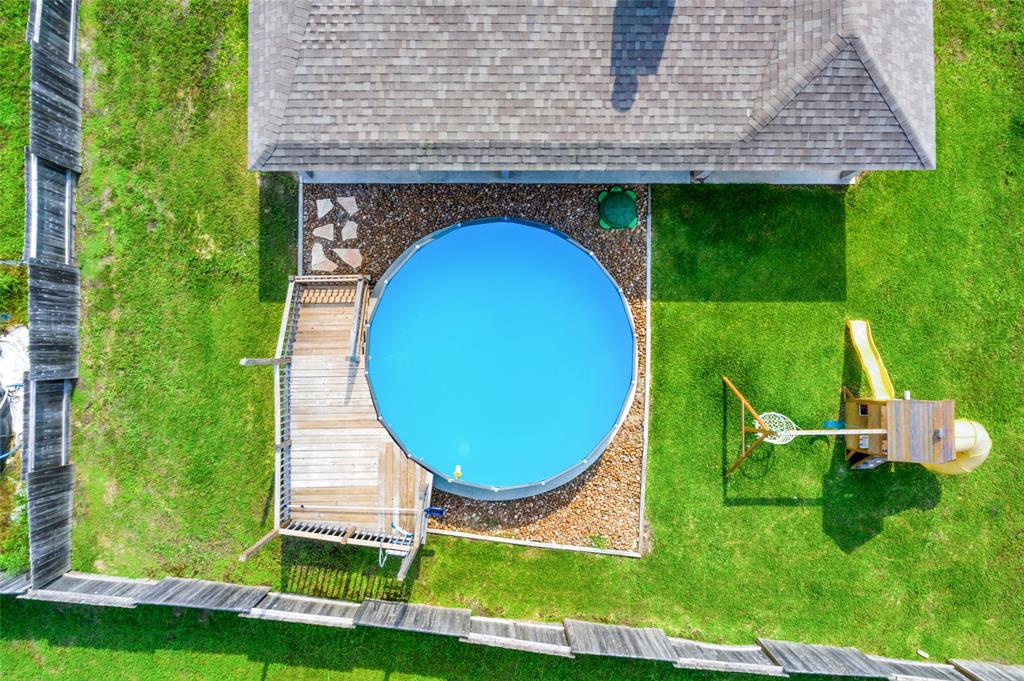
pixel 14 66
pixel 14 62
pixel 185 260
pixel 185 257
pixel 155 643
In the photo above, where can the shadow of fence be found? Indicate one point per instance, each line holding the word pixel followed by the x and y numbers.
pixel 350 573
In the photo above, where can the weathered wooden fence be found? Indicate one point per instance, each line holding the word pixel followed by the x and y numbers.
pixel 569 638
pixel 52 163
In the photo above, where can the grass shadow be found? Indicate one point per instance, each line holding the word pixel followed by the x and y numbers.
pixel 853 375
pixel 749 243
pixel 758 465
pixel 349 573
pixel 856 503
pixel 279 215
pixel 161 642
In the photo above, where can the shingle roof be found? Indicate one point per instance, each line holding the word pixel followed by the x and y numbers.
pixel 599 85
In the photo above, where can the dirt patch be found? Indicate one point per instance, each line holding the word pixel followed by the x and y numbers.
pixel 601 507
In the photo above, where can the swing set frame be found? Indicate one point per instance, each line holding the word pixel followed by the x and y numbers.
pixel 763 432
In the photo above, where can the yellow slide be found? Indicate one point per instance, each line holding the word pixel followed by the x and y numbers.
pixel 973 443
pixel 864 344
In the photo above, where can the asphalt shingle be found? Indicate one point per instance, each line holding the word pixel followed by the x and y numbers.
pixel 550 85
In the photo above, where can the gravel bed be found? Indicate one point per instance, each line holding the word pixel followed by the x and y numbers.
pixel 601 507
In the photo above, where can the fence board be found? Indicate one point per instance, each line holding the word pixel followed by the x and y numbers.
pixel 801 658
pixel 86 589
pixel 52 25
pixel 121 587
pixel 723 658
pixel 608 640
pixel 49 211
pixel 47 423
pixel 55 110
pixel 49 523
pixel 11 585
pixel 429 619
pixel 914 670
pixel 53 316
pixel 204 595
pixel 989 671
pixel 534 637
pixel 305 610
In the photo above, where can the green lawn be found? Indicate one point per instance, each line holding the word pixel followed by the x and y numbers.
pixel 14 65
pixel 185 255
pixel 13 138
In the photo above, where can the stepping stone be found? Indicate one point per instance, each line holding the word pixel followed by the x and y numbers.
pixel 348 231
pixel 320 261
pixel 349 204
pixel 325 232
pixel 350 256
pixel 323 207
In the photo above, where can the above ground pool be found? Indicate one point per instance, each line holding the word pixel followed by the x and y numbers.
pixel 501 355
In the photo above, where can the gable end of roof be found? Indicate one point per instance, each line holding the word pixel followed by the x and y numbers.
pixel 774 105
pixel 923 150
pixel 276 30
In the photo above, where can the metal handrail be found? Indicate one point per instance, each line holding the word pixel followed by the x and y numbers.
pixel 281 380
pixel 357 321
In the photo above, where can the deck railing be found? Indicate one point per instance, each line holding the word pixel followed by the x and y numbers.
pixel 282 407
pixel 282 377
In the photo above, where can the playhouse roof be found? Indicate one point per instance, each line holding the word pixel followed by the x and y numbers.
pixel 600 85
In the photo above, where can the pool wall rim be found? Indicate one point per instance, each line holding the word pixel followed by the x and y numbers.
pixel 450 484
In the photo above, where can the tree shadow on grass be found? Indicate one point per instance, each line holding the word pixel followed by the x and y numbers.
pixel 345 572
pixel 279 216
pixel 749 243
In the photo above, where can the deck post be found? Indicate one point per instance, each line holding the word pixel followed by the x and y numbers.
pixel 357 322
pixel 407 561
pixel 258 545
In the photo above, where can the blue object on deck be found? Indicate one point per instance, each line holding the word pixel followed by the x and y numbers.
pixel 501 355
pixel 834 425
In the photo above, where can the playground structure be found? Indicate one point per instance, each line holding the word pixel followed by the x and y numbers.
pixel 880 427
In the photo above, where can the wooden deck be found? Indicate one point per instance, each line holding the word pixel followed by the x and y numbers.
pixel 343 478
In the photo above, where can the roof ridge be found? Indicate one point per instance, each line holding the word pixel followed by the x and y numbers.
pixel 853 37
pixel 793 86
pixel 282 72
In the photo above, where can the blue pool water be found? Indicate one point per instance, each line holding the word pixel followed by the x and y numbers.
pixel 504 348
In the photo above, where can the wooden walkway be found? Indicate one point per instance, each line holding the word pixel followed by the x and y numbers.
pixel 345 480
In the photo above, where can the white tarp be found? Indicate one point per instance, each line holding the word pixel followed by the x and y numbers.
pixel 13 365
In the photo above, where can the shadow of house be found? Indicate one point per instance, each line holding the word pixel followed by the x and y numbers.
pixel 749 243
pixel 279 220
pixel 639 29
